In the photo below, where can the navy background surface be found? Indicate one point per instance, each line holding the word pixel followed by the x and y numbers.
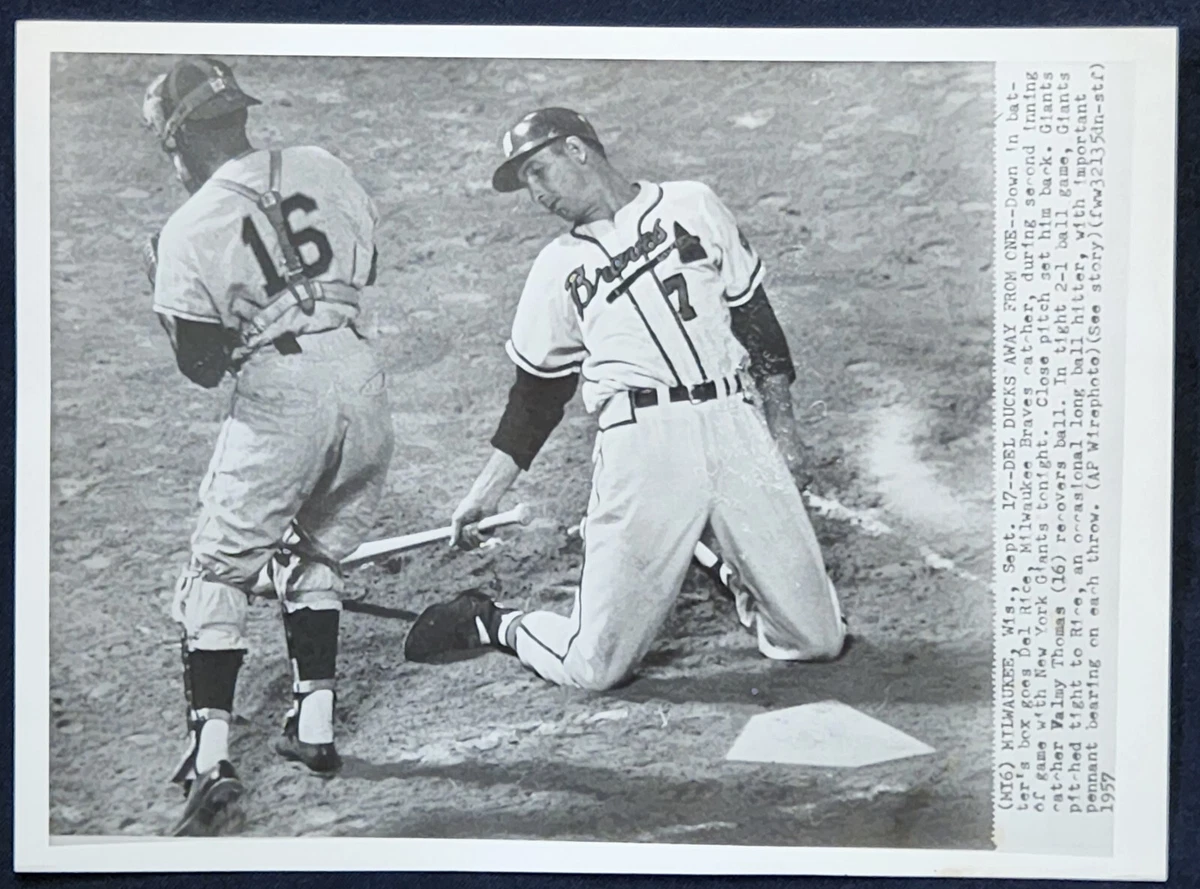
pixel 1185 820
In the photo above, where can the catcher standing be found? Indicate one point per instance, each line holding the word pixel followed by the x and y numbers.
pixel 655 299
pixel 259 274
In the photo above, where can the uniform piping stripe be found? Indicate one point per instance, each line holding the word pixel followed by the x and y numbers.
pixel 619 425
pixel 593 505
pixel 521 628
pixel 624 286
pixel 679 323
pixel 657 201
pixel 650 330
pixel 749 287
pixel 666 299
pixel 520 623
pixel 591 240
pixel 557 370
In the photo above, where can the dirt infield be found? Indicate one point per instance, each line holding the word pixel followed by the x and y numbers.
pixel 867 190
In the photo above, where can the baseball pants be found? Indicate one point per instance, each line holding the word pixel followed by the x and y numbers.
pixel 662 476
pixel 305 448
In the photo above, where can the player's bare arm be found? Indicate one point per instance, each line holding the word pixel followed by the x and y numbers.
pixel 498 475
pixel 535 407
pixel 756 326
pixel 781 420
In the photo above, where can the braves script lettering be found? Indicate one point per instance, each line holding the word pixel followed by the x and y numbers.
pixel 583 289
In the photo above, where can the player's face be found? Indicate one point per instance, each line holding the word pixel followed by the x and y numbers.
pixel 556 181
pixel 183 158
pixel 182 173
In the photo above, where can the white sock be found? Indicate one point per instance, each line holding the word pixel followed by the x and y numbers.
pixel 213 746
pixel 506 622
pixel 316 717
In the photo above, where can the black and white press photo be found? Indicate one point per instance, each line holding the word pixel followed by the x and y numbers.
pixel 678 452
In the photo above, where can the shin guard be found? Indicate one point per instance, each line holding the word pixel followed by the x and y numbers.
pixel 209 683
pixel 312 642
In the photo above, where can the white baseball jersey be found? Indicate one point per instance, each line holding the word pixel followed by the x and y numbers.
pixel 641 301
pixel 220 238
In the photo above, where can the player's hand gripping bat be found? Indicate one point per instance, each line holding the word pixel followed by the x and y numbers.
pixel 378 549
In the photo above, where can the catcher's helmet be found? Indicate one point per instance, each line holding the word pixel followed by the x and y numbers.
pixel 194 89
pixel 533 132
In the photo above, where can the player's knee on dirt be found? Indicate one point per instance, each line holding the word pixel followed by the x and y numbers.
pixel 213 613
pixel 828 641
pixel 597 677
pixel 820 643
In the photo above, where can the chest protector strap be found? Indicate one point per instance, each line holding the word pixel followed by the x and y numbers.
pixel 301 290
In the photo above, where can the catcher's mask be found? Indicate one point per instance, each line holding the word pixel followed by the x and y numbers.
pixel 195 89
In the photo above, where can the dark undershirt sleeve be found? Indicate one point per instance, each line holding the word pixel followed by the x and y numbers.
pixel 202 351
pixel 756 327
pixel 535 406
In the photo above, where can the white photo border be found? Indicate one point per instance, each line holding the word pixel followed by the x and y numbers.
pixel 1140 840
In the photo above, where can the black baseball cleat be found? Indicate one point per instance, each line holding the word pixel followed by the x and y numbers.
pixel 468 622
pixel 208 799
pixel 320 758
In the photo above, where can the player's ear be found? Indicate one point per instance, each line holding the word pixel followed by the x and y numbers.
pixel 576 149
pixel 183 141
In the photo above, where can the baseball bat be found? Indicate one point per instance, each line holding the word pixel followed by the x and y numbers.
pixel 705 556
pixel 716 567
pixel 375 549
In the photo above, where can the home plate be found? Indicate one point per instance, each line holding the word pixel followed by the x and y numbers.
pixel 827 733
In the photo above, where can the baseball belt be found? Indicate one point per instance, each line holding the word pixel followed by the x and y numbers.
pixel 698 394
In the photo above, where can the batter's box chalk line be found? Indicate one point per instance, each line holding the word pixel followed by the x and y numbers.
pixel 826 734
pixel 866 520
pixel 830 508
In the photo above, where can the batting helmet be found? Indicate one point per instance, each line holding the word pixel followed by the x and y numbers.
pixel 195 89
pixel 531 134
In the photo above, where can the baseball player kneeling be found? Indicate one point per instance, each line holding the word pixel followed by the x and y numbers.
pixel 259 275
pixel 655 299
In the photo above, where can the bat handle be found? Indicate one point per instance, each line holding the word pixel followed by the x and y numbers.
pixel 715 565
pixel 518 515
pixel 706 556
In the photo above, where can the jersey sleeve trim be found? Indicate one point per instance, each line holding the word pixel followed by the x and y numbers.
pixel 186 316
pixel 548 372
pixel 745 296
